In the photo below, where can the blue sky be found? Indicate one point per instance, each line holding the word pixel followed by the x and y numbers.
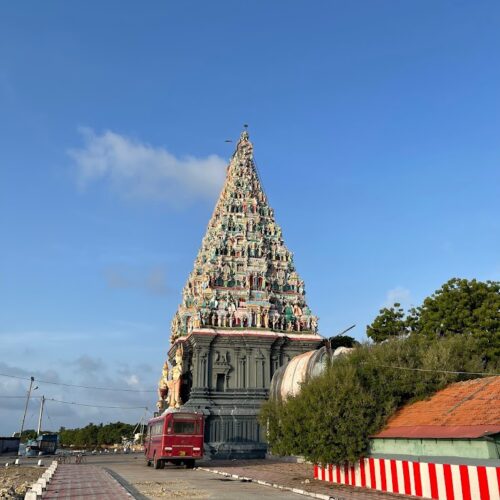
pixel 376 128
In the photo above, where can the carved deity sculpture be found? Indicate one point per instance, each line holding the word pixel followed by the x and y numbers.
pixel 174 385
pixel 297 311
pixel 163 386
pixel 197 320
pixel 265 318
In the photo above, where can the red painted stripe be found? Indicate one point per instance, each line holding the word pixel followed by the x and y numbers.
pixel 383 478
pixel 484 492
pixel 373 482
pixel 498 477
pixel 406 477
pixel 448 482
pixel 433 480
pixel 346 474
pixel 316 476
pixel 394 476
pixel 363 473
pixel 338 473
pixel 417 478
pixel 464 481
pixel 353 476
pixel 330 468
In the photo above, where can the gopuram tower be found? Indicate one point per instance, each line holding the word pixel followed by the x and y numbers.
pixel 243 315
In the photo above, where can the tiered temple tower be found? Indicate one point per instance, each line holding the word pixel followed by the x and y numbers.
pixel 243 314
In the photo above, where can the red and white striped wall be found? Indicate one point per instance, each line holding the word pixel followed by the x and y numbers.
pixel 421 479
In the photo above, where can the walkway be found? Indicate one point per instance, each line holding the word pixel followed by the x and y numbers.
pixel 293 475
pixel 84 482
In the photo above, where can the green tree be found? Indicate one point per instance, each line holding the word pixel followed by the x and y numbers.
pixel 390 323
pixel 27 435
pixel 342 341
pixel 459 307
pixel 93 435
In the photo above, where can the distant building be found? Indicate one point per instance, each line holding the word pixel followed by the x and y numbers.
pixel 243 315
pixel 9 445
pixel 462 420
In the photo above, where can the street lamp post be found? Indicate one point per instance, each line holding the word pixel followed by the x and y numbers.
pixel 32 379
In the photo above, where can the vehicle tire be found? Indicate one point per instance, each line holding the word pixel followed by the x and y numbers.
pixel 189 464
pixel 158 463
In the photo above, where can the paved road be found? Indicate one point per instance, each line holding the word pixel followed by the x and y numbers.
pixel 177 482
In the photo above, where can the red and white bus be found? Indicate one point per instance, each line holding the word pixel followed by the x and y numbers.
pixel 176 437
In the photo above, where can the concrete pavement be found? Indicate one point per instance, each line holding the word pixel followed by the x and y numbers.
pixel 177 482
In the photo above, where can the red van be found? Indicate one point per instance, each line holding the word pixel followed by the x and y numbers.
pixel 175 437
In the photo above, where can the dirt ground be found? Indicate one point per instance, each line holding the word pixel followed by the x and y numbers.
pixel 169 489
pixel 15 481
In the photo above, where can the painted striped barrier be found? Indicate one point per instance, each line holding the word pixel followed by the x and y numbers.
pixel 421 479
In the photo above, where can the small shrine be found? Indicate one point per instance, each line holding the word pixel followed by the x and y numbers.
pixel 243 315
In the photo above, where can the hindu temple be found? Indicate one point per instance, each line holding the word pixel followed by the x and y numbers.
pixel 243 315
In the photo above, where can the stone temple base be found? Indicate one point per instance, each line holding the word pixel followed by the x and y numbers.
pixel 231 426
pixel 228 377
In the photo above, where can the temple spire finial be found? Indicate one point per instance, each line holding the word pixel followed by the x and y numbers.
pixel 244 135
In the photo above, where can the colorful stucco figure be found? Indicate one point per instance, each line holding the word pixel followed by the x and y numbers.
pixel 169 387
pixel 244 275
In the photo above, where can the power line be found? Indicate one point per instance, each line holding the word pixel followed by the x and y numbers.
pixel 76 385
pixel 77 403
pixel 97 406
pixel 484 374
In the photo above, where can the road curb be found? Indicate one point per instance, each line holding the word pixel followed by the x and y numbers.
pixel 129 488
pixel 38 487
pixel 272 485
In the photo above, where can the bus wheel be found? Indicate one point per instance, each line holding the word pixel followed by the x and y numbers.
pixel 157 463
pixel 189 464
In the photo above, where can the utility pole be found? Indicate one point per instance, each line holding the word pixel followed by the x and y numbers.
pixel 32 379
pixel 39 430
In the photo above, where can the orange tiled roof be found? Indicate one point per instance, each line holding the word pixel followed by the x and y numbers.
pixel 468 409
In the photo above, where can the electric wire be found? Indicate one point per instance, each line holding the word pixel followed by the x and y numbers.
pixel 96 406
pixel 79 403
pixel 431 370
pixel 39 381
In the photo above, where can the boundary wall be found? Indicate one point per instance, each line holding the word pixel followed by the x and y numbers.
pixel 421 479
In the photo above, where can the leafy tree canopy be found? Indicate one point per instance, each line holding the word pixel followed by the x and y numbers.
pixel 390 323
pixel 342 341
pixel 96 435
pixel 460 306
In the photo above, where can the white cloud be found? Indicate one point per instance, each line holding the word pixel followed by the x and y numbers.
pixel 141 171
pixel 132 380
pixel 398 294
